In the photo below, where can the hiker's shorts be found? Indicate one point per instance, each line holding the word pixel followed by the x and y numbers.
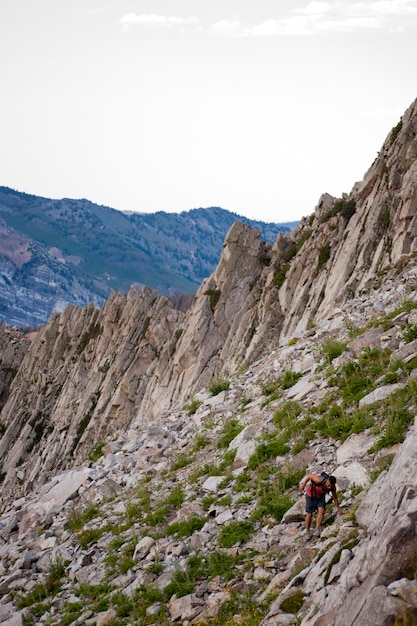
pixel 312 504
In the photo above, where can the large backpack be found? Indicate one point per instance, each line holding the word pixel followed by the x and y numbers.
pixel 324 476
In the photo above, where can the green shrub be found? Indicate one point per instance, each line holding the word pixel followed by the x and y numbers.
pixel 158 516
pixel 214 297
pixel 293 603
pixel 201 442
pixel 146 324
pixel 182 460
pixel 346 208
pixel 358 377
pixel 192 406
pixel 399 417
pixel 386 218
pixel 184 580
pixel 97 452
pixel 222 564
pixel 134 511
pixel 275 504
pixel 230 429
pixel 396 131
pixel 332 348
pixel 234 532
pixel 305 235
pixel 324 256
pixel 244 402
pixel 219 385
pixel 78 517
pixel 94 592
pixel 280 275
pixel 338 424
pixel 124 604
pixel 381 466
pixel 43 590
pixel 185 528
pixel 410 333
pixel 289 379
pixel 207 501
pixel 143 494
pixel 92 333
pixel 73 610
pixel 267 450
pixel 176 497
pixel 243 605
pixel 286 416
pixel 56 569
pixel 271 389
pixel 90 535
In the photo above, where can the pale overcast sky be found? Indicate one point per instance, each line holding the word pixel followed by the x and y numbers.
pixel 147 105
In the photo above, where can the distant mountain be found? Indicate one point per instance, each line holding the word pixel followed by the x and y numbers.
pixel 54 252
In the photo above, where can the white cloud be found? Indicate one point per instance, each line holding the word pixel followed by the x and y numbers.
pixel 340 16
pixel 158 21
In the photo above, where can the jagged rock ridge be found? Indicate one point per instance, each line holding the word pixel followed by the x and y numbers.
pixel 90 375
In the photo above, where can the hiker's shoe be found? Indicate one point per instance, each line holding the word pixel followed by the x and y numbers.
pixel 317 532
pixel 308 535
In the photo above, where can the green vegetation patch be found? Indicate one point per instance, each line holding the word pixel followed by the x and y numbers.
pixel 332 348
pixel 324 256
pixel 219 385
pixel 293 603
pixel 43 590
pixel 235 532
pixel 230 429
pixel 192 406
pixel 79 516
pixel 214 297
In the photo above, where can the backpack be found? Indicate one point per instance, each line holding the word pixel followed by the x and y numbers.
pixel 324 476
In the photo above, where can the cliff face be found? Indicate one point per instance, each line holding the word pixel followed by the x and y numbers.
pixel 89 373
pixel 351 243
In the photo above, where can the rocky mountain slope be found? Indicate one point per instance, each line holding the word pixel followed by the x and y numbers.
pixel 55 252
pixel 151 458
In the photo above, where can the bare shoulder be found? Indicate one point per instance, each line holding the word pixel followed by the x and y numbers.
pixel 315 478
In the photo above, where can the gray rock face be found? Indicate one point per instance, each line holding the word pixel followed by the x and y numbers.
pixel 348 250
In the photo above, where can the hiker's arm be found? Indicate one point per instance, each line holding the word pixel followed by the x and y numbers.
pixel 305 480
pixel 336 501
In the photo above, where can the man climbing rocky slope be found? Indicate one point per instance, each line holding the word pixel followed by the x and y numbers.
pixel 196 518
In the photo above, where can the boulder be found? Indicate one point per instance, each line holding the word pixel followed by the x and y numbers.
pixel 143 548
pixel 296 513
pixel 379 394
pixel 355 447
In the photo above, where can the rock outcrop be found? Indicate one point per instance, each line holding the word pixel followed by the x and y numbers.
pixel 350 244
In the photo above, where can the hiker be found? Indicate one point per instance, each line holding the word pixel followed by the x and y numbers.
pixel 316 492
